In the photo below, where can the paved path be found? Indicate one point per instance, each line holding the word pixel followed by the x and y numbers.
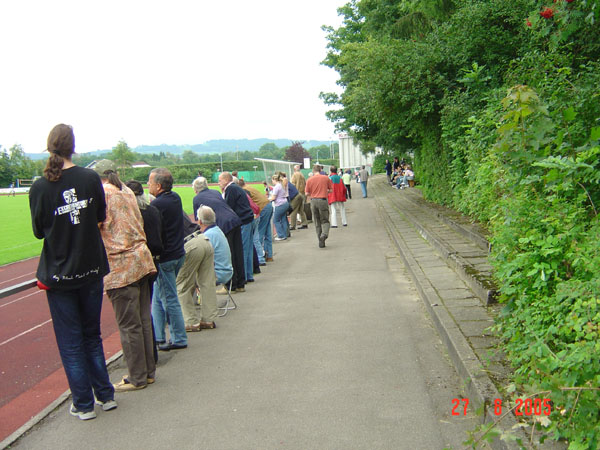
pixel 329 349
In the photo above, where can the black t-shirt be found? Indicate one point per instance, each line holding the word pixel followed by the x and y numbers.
pixel 66 213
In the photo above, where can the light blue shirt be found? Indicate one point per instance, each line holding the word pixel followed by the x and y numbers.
pixel 223 267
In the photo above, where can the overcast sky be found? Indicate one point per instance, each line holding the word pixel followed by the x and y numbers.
pixel 153 72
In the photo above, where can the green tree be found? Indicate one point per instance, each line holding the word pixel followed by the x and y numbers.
pixel 122 155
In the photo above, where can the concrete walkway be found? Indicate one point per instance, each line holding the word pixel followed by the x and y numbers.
pixel 329 349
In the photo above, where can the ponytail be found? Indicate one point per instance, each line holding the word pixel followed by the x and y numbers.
pixel 113 178
pixel 61 145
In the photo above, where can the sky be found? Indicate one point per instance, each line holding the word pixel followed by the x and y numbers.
pixel 164 72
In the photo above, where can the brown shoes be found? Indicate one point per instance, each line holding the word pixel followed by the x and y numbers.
pixel 208 325
pixel 193 328
pixel 269 259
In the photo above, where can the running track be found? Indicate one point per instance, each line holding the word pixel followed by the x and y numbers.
pixel 31 374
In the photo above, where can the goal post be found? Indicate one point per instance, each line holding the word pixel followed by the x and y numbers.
pixel 270 166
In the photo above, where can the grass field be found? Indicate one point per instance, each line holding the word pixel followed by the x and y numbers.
pixel 17 241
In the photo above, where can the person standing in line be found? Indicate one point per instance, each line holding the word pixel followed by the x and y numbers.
pixel 165 303
pixel 347 178
pixel 237 199
pixel 299 181
pixel 281 204
pixel 363 175
pixel 262 202
pixel 66 205
pixel 231 225
pixel 128 283
pixel 396 165
pixel 337 198
pixel 318 188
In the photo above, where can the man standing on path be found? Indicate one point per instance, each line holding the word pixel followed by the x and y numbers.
pixel 237 199
pixel 164 300
pixel 318 188
pixel 363 174
pixel 262 202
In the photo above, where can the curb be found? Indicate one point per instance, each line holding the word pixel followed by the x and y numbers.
pixel 480 388
pixel 11 439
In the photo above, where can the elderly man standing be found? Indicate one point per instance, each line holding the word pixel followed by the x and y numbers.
pixel 197 272
pixel 318 187
pixel 237 199
pixel 164 300
pixel 229 223
pixel 298 203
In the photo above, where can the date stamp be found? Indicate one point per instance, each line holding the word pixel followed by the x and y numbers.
pixel 523 407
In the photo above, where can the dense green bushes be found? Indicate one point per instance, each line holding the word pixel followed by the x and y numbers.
pixel 502 104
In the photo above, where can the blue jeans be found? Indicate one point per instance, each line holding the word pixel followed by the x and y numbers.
pixel 280 220
pixel 363 186
pixel 257 242
pixel 265 233
pixel 76 320
pixel 165 303
pixel 248 244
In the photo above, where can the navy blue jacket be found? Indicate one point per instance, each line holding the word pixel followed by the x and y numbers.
pixel 237 199
pixel 292 191
pixel 169 206
pixel 227 219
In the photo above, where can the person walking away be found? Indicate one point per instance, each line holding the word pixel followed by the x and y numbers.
pixel 363 174
pixel 318 188
pixel 165 303
pixel 127 285
pixel 337 198
pixel 66 205
pixel 347 178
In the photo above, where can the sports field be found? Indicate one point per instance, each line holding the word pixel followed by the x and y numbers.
pixel 17 241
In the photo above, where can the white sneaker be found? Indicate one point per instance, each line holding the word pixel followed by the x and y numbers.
pixel 83 415
pixel 107 405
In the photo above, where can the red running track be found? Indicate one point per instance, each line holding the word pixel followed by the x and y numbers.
pixel 31 374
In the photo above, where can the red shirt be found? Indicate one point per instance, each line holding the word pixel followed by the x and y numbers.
pixel 318 186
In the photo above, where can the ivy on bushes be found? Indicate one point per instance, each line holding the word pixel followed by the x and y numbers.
pixel 500 102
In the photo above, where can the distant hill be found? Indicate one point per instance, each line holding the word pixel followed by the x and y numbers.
pixel 213 146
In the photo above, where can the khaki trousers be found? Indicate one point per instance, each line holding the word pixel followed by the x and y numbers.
pixel 320 213
pixel 198 271
pixel 298 208
pixel 132 305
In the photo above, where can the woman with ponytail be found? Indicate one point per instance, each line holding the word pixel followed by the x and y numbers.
pixel 67 204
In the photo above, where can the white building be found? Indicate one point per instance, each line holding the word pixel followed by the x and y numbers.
pixel 351 156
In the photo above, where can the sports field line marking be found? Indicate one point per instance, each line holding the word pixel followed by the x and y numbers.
pixel 16 278
pixel 20 298
pixel 25 332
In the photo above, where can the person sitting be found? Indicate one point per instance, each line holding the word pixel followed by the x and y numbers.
pixel 207 222
pixel 408 175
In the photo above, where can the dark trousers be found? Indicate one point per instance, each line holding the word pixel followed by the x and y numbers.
pixel 236 246
pixel 348 191
pixel 76 321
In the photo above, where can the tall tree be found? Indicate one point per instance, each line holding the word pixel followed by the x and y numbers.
pixel 122 154
pixel 296 152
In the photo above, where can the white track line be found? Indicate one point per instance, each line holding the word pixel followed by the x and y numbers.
pixel 25 332
pixel 21 298
pixel 16 278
